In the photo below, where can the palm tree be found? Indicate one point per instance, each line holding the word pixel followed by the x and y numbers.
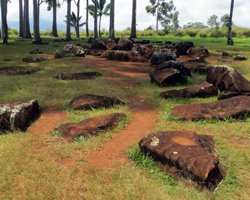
pixel 77 27
pixel 101 9
pixel 133 26
pixel 20 18
pixel 230 36
pixel 36 27
pixel 112 20
pixel 87 18
pixel 26 30
pixel 4 21
pixel 68 34
pixel 95 18
pixel 75 22
pixel 53 4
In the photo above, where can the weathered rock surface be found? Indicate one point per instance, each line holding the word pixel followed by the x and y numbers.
pixel 198 52
pixel 202 90
pixel 70 50
pixel 159 57
pixel 132 56
pixel 187 154
pixel 240 58
pixel 90 127
pixel 144 50
pixel 99 45
pixel 16 116
pixel 79 76
pixel 36 51
pixel 197 67
pixel 227 95
pixel 228 79
pixel 174 65
pixel 30 59
pixel 17 71
pixel 90 101
pixel 236 107
pixel 124 45
pixel 182 47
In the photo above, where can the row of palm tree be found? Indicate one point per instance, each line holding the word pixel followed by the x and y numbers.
pixel 97 9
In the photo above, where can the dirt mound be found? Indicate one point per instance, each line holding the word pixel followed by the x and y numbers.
pixel 235 107
pixel 79 76
pixel 17 71
pixel 89 127
pixel 190 154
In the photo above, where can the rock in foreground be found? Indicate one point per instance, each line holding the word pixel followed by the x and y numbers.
pixel 90 101
pixel 12 71
pixel 236 107
pixel 16 116
pixel 89 127
pixel 188 154
pixel 79 76
pixel 202 90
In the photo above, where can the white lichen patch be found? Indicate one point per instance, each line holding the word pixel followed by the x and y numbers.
pixel 154 141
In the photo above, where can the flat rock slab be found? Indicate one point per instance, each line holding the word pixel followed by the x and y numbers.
pixel 31 59
pixel 228 79
pixel 227 95
pixel 187 153
pixel 89 127
pixel 16 116
pixel 199 68
pixel 236 107
pixel 166 77
pixel 202 90
pixel 79 76
pixel 89 101
pixel 198 52
pixel 17 71
pixel 174 65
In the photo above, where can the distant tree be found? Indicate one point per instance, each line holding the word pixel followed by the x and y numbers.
pixel 230 35
pixel 133 24
pixel 213 21
pixel 4 20
pixel 95 14
pixel 101 10
pixel 175 21
pixel 225 20
pixel 112 20
pixel 87 18
pixel 20 18
pixel 68 17
pixel 77 27
pixel 75 22
pixel 26 23
pixel 36 26
pixel 53 4
pixel 165 13
pixel 195 25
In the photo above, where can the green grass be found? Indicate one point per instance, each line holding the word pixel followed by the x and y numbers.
pixel 46 167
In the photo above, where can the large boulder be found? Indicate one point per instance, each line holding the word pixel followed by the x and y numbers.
pixel 123 56
pixel 202 90
pixel 198 52
pixel 144 50
pixel 98 45
pixel 187 154
pixel 166 77
pixel 16 116
pixel 159 57
pixel 174 65
pixel 236 107
pixel 240 58
pixel 182 47
pixel 12 71
pixel 228 79
pixel 79 76
pixel 89 127
pixel 227 95
pixel 30 59
pixel 124 45
pixel 196 67
pixel 90 101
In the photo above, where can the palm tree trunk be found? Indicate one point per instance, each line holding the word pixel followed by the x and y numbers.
pixel 54 23
pixel 20 18
pixel 133 26
pixel 77 22
pixel 230 36
pixel 4 21
pixel 157 15
pixel 26 33
pixel 68 34
pixel 87 18
pixel 100 22
pixel 95 21
pixel 37 38
pixel 112 20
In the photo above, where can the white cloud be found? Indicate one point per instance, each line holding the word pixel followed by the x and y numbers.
pixel 190 10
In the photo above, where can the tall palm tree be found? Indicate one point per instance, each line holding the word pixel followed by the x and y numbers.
pixel 230 36
pixel 4 21
pixel 75 22
pixel 68 33
pixel 26 26
pixel 112 20
pixel 87 18
pixel 53 4
pixel 20 18
pixel 77 2
pixel 95 18
pixel 36 27
pixel 133 25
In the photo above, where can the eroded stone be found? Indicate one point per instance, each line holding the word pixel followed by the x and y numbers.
pixel 79 76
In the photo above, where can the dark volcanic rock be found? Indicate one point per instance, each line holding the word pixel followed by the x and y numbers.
pixel 227 95
pixel 228 79
pixel 236 107
pixel 17 71
pixel 197 67
pixel 36 51
pixel 167 77
pixel 240 58
pixel 124 45
pixel 123 56
pixel 225 54
pixel 198 52
pixel 30 59
pixel 79 76
pixel 159 57
pixel 187 154
pixel 16 116
pixel 90 127
pixel 175 65
pixel 202 90
pixel 90 101
pixel 182 47
pixel 99 45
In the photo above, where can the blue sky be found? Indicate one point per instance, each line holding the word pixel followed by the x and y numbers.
pixel 190 11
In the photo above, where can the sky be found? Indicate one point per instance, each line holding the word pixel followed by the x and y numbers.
pixel 190 11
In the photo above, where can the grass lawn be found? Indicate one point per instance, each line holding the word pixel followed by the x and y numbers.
pixel 46 167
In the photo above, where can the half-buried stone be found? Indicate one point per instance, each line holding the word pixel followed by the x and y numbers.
pixel 236 107
pixel 159 57
pixel 185 153
pixel 89 101
pixel 89 127
pixel 79 76
pixel 17 71
pixel 202 90
pixel 30 59
pixel 16 116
